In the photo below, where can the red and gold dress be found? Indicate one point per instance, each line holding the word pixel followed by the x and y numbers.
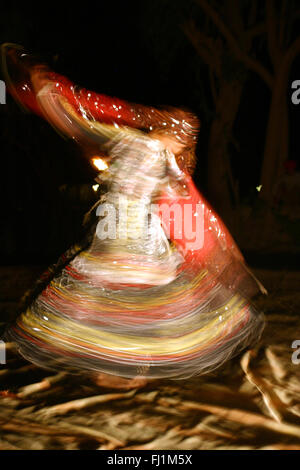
pixel 161 290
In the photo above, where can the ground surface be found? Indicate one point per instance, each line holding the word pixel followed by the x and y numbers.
pixel 251 403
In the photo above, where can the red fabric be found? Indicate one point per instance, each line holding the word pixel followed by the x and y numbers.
pixel 215 231
pixel 24 95
pixel 100 107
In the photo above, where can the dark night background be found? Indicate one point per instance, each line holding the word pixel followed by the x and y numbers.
pixel 138 51
pixel 232 62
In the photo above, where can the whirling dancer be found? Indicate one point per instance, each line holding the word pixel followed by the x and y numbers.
pixel 161 290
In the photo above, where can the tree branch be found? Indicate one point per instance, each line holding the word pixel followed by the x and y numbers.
pixel 291 53
pixel 272 33
pixel 205 46
pixel 253 13
pixel 247 60
pixel 256 30
pixel 233 13
pixel 282 23
pixel 213 86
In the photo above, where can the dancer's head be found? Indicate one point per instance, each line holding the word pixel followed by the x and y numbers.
pixel 178 130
